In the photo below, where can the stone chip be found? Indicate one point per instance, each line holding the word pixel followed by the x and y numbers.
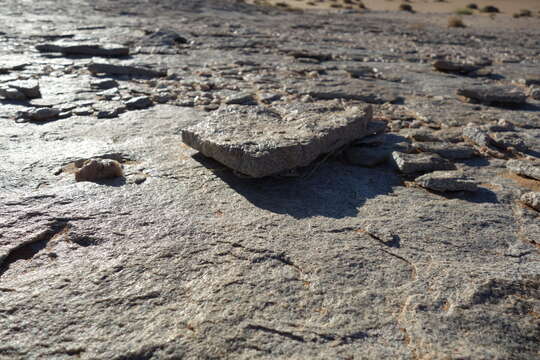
pixel 259 141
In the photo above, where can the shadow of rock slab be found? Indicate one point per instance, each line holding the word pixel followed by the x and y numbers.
pixel 260 141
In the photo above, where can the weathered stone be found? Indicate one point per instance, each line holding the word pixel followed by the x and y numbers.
pixel 134 71
pixel 446 181
pixel 84 49
pixel 99 169
pixel 29 88
pixel 241 99
pixel 534 93
pixel 418 163
pixel 446 150
pixel 140 102
pixel 104 84
pixel 451 66
pixel 493 95
pixel 508 140
pixel 12 94
pixel 109 110
pixel 477 136
pixel 531 199
pixel 524 168
pixel 41 114
pixel 259 141
pixel 163 37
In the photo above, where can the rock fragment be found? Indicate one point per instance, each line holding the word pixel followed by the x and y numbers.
pixel 104 84
pixel 99 169
pixel 21 90
pixel 140 102
pixel 525 168
pixel 418 163
pixel 241 99
pixel 531 199
pixel 84 49
pixel 41 114
pixel 135 71
pixel 109 110
pixel 493 95
pixel 12 94
pixel 451 66
pixel 446 150
pixel 163 37
pixel 258 141
pixel 477 136
pixel 446 181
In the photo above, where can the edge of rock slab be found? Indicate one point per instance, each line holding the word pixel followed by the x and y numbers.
pixel 352 125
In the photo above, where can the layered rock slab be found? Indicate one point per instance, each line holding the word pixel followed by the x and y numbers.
pixel 259 141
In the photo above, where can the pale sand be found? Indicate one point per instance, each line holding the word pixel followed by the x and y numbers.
pixel 506 7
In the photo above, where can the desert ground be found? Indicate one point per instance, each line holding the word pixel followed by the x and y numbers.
pixel 506 7
pixel 221 180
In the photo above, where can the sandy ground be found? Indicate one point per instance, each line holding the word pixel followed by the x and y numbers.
pixel 506 7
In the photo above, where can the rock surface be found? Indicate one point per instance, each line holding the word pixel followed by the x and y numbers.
pixel 98 169
pixel 446 181
pixel 531 199
pixel 181 259
pixel 494 95
pixel 417 163
pixel 259 141
pixel 525 168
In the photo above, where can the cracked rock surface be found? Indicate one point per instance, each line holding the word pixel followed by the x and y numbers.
pixel 343 258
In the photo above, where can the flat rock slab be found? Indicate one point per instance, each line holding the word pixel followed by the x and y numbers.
pixel 259 141
pixel 129 70
pixel 506 95
pixel 84 49
pixel 525 168
pixel 446 181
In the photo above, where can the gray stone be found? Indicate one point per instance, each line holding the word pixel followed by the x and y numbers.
pixel 491 95
pixel 446 181
pixel 509 140
pixel 107 110
pixel 84 49
pixel 451 66
pixel 531 199
pixel 241 99
pixel 128 70
pixel 98 169
pixel 29 88
pixel 534 93
pixel 477 136
pixel 525 168
pixel 104 84
pixel 258 141
pixel 41 114
pixel 140 102
pixel 12 94
pixel 418 163
pixel 446 150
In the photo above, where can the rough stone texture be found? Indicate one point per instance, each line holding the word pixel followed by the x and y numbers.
pixel 525 168
pixel 98 169
pixel 531 199
pixel 451 66
pixel 417 163
pixel 446 181
pixel 259 141
pixel 84 49
pixel 140 102
pixel 135 71
pixel 494 94
pixel 343 262
pixel 40 114
pixel 446 150
pixel 29 89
